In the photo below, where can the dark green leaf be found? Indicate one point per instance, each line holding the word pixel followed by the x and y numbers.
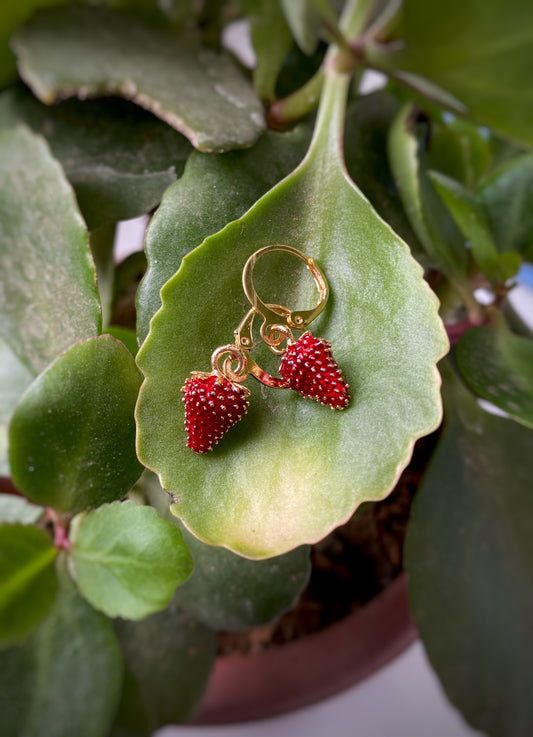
pixel 119 158
pixel 14 379
pixel 427 215
pixel 66 680
pixel 170 656
pixel 368 120
pixel 126 336
pixel 499 367
pixel 470 220
pixel 272 40
pixel 198 92
pixel 72 437
pixel 469 557
pixel 14 508
pixel 12 14
pixel 507 199
pixel 45 263
pixel 189 212
pixel 480 52
pixel 228 592
pixel 459 149
pixel 128 561
pixel 292 469
pixel 28 583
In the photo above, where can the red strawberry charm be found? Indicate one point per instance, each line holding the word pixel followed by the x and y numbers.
pixel 309 368
pixel 213 404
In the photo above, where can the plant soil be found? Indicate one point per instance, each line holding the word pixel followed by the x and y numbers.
pixel 349 567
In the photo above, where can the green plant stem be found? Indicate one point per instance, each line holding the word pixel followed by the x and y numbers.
pixel 301 102
pixel 102 243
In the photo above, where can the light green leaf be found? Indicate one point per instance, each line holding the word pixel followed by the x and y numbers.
pixel 469 556
pixel 304 21
pixel 118 158
pixel 507 200
pixel 72 437
pixel 470 220
pixel 427 215
pixel 272 40
pixel 198 92
pixel 28 583
pixel 170 656
pixel 189 212
pixel 14 379
pixel 66 680
pixel 14 508
pixel 480 52
pixel 45 263
pixel 293 469
pixel 499 367
pixel 128 561
pixel 459 149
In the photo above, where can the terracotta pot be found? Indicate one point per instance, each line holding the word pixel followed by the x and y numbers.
pixel 247 687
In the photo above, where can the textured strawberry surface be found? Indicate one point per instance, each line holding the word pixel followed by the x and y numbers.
pixel 309 368
pixel 212 405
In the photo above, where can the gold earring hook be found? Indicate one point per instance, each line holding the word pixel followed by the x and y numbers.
pixel 271 313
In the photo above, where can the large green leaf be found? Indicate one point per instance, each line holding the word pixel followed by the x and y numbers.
pixel 65 681
pixel 119 158
pixel 170 656
pixel 293 469
pixel 507 199
pixel 28 584
pixel 469 556
pixel 499 367
pixel 46 266
pixel 72 437
pixel 480 52
pixel 189 212
pixel 96 52
pixel 14 379
pixel 127 560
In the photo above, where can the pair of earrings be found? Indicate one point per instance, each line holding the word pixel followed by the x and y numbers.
pixel 215 401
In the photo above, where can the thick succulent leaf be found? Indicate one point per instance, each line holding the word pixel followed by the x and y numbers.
pixel 480 52
pixel 469 556
pixel 170 657
pixel 293 469
pixel 368 120
pixel 14 379
pixel 12 14
pixel 198 92
pixel 499 367
pixel 66 680
pixel 272 40
pixel 507 199
pixel 28 583
pixel 119 158
pixel 72 437
pixel 14 508
pixel 189 212
pixel 228 592
pixel 46 266
pixel 127 560
pixel 427 215
pixel 470 220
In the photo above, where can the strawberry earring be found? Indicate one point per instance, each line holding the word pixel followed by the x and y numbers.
pixel 216 401
pixel 307 365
